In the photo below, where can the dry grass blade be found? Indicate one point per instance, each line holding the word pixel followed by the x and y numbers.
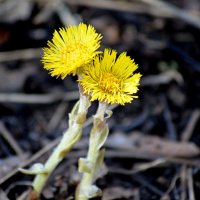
pixel 186 134
pixel 32 159
pixel 38 98
pixel 24 54
pixel 139 167
pixel 190 185
pixel 186 174
pixel 154 7
pixel 10 139
pixel 174 11
pixel 108 4
pixel 42 152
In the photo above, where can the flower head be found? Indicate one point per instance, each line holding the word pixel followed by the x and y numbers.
pixel 70 49
pixel 110 79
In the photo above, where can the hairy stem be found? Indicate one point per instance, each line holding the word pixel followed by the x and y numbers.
pixel 69 139
pixel 91 165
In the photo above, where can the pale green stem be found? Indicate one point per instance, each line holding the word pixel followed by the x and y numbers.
pixel 85 187
pixel 69 139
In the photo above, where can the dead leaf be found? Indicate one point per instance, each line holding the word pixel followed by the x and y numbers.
pixel 117 193
pixel 143 144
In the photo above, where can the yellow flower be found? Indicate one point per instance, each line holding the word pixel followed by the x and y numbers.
pixel 110 79
pixel 70 49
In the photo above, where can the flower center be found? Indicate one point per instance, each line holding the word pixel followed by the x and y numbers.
pixel 109 83
pixel 74 53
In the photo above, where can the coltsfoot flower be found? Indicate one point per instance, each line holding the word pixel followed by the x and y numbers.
pixel 110 79
pixel 70 49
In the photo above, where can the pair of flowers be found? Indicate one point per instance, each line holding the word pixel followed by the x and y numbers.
pixel 102 75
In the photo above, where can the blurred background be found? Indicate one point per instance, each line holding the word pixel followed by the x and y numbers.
pixel 153 148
